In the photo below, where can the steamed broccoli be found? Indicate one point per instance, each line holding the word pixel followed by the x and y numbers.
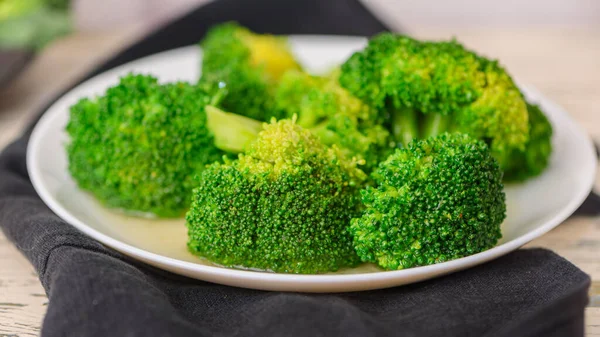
pixel 335 116
pixel 14 8
pixel 232 133
pixel 284 205
pixel 140 145
pixel 434 87
pixel 31 23
pixel 536 156
pixel 437 199
pixel 248 65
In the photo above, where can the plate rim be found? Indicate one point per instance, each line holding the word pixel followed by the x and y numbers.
pixel 294 282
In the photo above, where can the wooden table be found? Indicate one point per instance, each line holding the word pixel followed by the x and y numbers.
pixel 562 62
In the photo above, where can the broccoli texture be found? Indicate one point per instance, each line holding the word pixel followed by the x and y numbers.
pixel 140 145
pixel 247 65
pixel 536 156
pixel 335 116
pixel 438 199
pixel 284 205
pixel 433 87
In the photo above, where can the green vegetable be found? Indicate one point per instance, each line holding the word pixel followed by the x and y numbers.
pixel 140 145
pixel 31 24
pixel 433 87
pixel 437 200
pixel 233 133
pixel 59 4
pixel 284 205
pixel 13 8
pixel 536 156
pixel 247 65
pixel 335 116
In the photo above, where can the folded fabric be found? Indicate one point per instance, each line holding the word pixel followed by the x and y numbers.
pixel 95 291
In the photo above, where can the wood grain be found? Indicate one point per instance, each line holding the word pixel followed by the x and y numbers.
pixel 562 62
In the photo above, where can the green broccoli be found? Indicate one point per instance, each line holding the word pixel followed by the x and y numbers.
pixel 140 145
pixel 284 205
pixel 31 23
pixel 232 133
pixel 13 8
pixel 536 156
pixel 247 65
pixel 433 87
pixel 437 199
pixel 335 116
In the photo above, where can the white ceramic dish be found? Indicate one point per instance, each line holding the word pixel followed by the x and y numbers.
pixel 534 208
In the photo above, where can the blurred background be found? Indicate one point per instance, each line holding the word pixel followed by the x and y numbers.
pixel 35 22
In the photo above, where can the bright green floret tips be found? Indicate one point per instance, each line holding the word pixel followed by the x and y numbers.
pixel 536 156
pixel 335 116
pixel 433 87
pixel 436 200
pixel 284 205
pixel 140 145
pixel 247 65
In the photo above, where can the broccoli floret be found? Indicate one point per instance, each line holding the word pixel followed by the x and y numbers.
pixel 284 205
pixel 140 145
pixel 335 116
pixel 434 87
pixel 437 199
pixel 536 156
pixel 248 65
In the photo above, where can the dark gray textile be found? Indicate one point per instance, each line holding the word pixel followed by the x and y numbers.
pixel 95 291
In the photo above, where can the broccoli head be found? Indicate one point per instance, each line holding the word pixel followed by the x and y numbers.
pixel 140 145
pixel 536 156
pixel 433 87
pixel 335 116
pixel 247 65
pixel 284 205
pixel 437 199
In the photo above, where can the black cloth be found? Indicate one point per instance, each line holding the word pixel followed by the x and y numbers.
pixel 95 291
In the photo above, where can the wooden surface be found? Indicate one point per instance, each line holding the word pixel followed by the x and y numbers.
pixel 562 62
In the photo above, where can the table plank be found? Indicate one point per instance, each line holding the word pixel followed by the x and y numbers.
pixel 560 61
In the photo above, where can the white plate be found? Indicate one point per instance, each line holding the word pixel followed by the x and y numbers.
pixel 534 208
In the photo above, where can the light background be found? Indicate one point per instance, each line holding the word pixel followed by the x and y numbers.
pixel 108 14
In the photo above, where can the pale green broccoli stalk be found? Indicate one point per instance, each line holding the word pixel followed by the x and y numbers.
pixel 247 65
pixel 434 87
pixel 284 205
pixel 436 200
pixel 139 146
pixel 232 133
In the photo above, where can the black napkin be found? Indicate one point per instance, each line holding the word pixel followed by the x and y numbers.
pixel 95 291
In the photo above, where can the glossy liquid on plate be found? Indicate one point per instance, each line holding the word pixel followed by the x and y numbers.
pixel 167 237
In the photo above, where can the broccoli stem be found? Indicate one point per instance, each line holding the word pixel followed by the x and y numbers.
pixel 433 124
pixel 405 126
pixel 309 120
pixel 323 133
pixel 232 132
